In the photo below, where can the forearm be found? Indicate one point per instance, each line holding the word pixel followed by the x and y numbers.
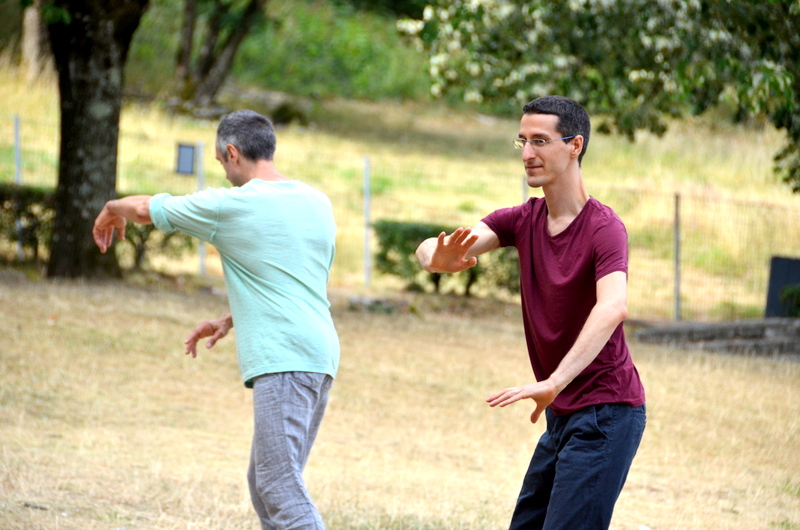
pixel 600 325
pixel 134 208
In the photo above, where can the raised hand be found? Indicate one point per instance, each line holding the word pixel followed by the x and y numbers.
pixel 450 252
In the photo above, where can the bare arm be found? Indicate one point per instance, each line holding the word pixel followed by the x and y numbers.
pixel 457 251
pixel 609 311
pixel 115 215
pixel 216 329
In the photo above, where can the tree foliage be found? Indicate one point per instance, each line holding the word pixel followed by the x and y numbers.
pixel 216 28
pixel 634 64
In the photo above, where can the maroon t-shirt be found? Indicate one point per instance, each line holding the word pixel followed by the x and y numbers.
pixel 558 276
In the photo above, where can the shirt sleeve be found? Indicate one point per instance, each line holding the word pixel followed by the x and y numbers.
pixel 196 215
pixel 611 248
pixel 502 222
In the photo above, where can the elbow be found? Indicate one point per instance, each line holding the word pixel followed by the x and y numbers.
pixel 615 311
pixel 423 255
pixel 620 311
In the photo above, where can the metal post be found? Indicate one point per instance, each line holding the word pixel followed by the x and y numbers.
pixel 18 180
pixel 677 237
pixel 367 224
pixel 201 250
pixel 524 189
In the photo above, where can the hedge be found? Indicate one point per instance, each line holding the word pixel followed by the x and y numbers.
pixel 397 245
pixel 27 215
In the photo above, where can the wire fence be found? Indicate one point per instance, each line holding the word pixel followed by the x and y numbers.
pixel 692 257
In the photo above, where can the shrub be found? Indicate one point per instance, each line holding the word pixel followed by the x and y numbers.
pixel 27 214
pixel 790 299
pixel 398 242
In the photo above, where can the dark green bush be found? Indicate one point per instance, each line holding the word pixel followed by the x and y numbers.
pixel 790 299
pixel 146 240
pixel 27 215
pixel 398 242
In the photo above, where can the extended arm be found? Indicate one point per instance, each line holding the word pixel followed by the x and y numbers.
pixel 609 311
pixel 457 251
pixel 216 329
pixel 115 214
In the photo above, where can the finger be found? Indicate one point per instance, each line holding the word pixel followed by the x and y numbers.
pixel 98 240
pixel 509 400
pixel 108 238
pixel 469 263
pixel 471 240
pixel 505 397
pixel 494 396
pixel 121 231
pixel 459 235
pixel 191 347
pixel 191 342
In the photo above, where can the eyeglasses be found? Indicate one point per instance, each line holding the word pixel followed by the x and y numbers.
pixel 537 143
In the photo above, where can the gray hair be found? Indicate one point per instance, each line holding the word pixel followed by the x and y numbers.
pixel 250 132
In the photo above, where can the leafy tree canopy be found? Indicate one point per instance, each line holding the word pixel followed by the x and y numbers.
pixel 634 63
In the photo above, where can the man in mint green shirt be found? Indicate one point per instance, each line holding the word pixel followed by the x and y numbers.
pixel 276 239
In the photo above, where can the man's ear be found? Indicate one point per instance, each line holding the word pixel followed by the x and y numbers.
pixel 577 146
pixel 232 152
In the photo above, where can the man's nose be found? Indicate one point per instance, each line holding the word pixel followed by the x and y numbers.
pixel 528 152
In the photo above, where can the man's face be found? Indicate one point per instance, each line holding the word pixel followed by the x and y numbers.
pixel 543 163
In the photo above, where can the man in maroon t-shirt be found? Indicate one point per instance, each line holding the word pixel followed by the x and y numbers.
pixel 573 259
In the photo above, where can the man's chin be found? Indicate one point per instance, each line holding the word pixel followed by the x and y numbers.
pixel 534 182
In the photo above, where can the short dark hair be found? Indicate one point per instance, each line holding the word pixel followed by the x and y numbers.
pixel 250 132
pixel 573 120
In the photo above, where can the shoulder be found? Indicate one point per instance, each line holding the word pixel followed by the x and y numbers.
pixel 209 197
pixel 525 210
pixel 603 216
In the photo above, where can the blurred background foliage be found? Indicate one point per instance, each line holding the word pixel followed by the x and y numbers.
pixel 309 48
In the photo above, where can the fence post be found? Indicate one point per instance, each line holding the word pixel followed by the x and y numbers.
pixel 524 189
pixel 677 236
pixel 201 249
pixel 367 223
pixel 18 180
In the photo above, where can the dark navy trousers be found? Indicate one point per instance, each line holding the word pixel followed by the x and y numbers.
pixel 578 468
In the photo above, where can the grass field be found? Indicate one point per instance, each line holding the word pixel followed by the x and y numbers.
pixel 106 424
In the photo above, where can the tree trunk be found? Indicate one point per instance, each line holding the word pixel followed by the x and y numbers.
pixel 36 56
pixel 207 90
pixel 90 42
pixel 184 60
pixel 205 57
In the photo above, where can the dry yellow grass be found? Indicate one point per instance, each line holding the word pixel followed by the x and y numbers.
pixel 105 424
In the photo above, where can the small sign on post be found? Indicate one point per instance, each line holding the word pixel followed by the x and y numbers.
pixel 185 165
pixel 189 157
